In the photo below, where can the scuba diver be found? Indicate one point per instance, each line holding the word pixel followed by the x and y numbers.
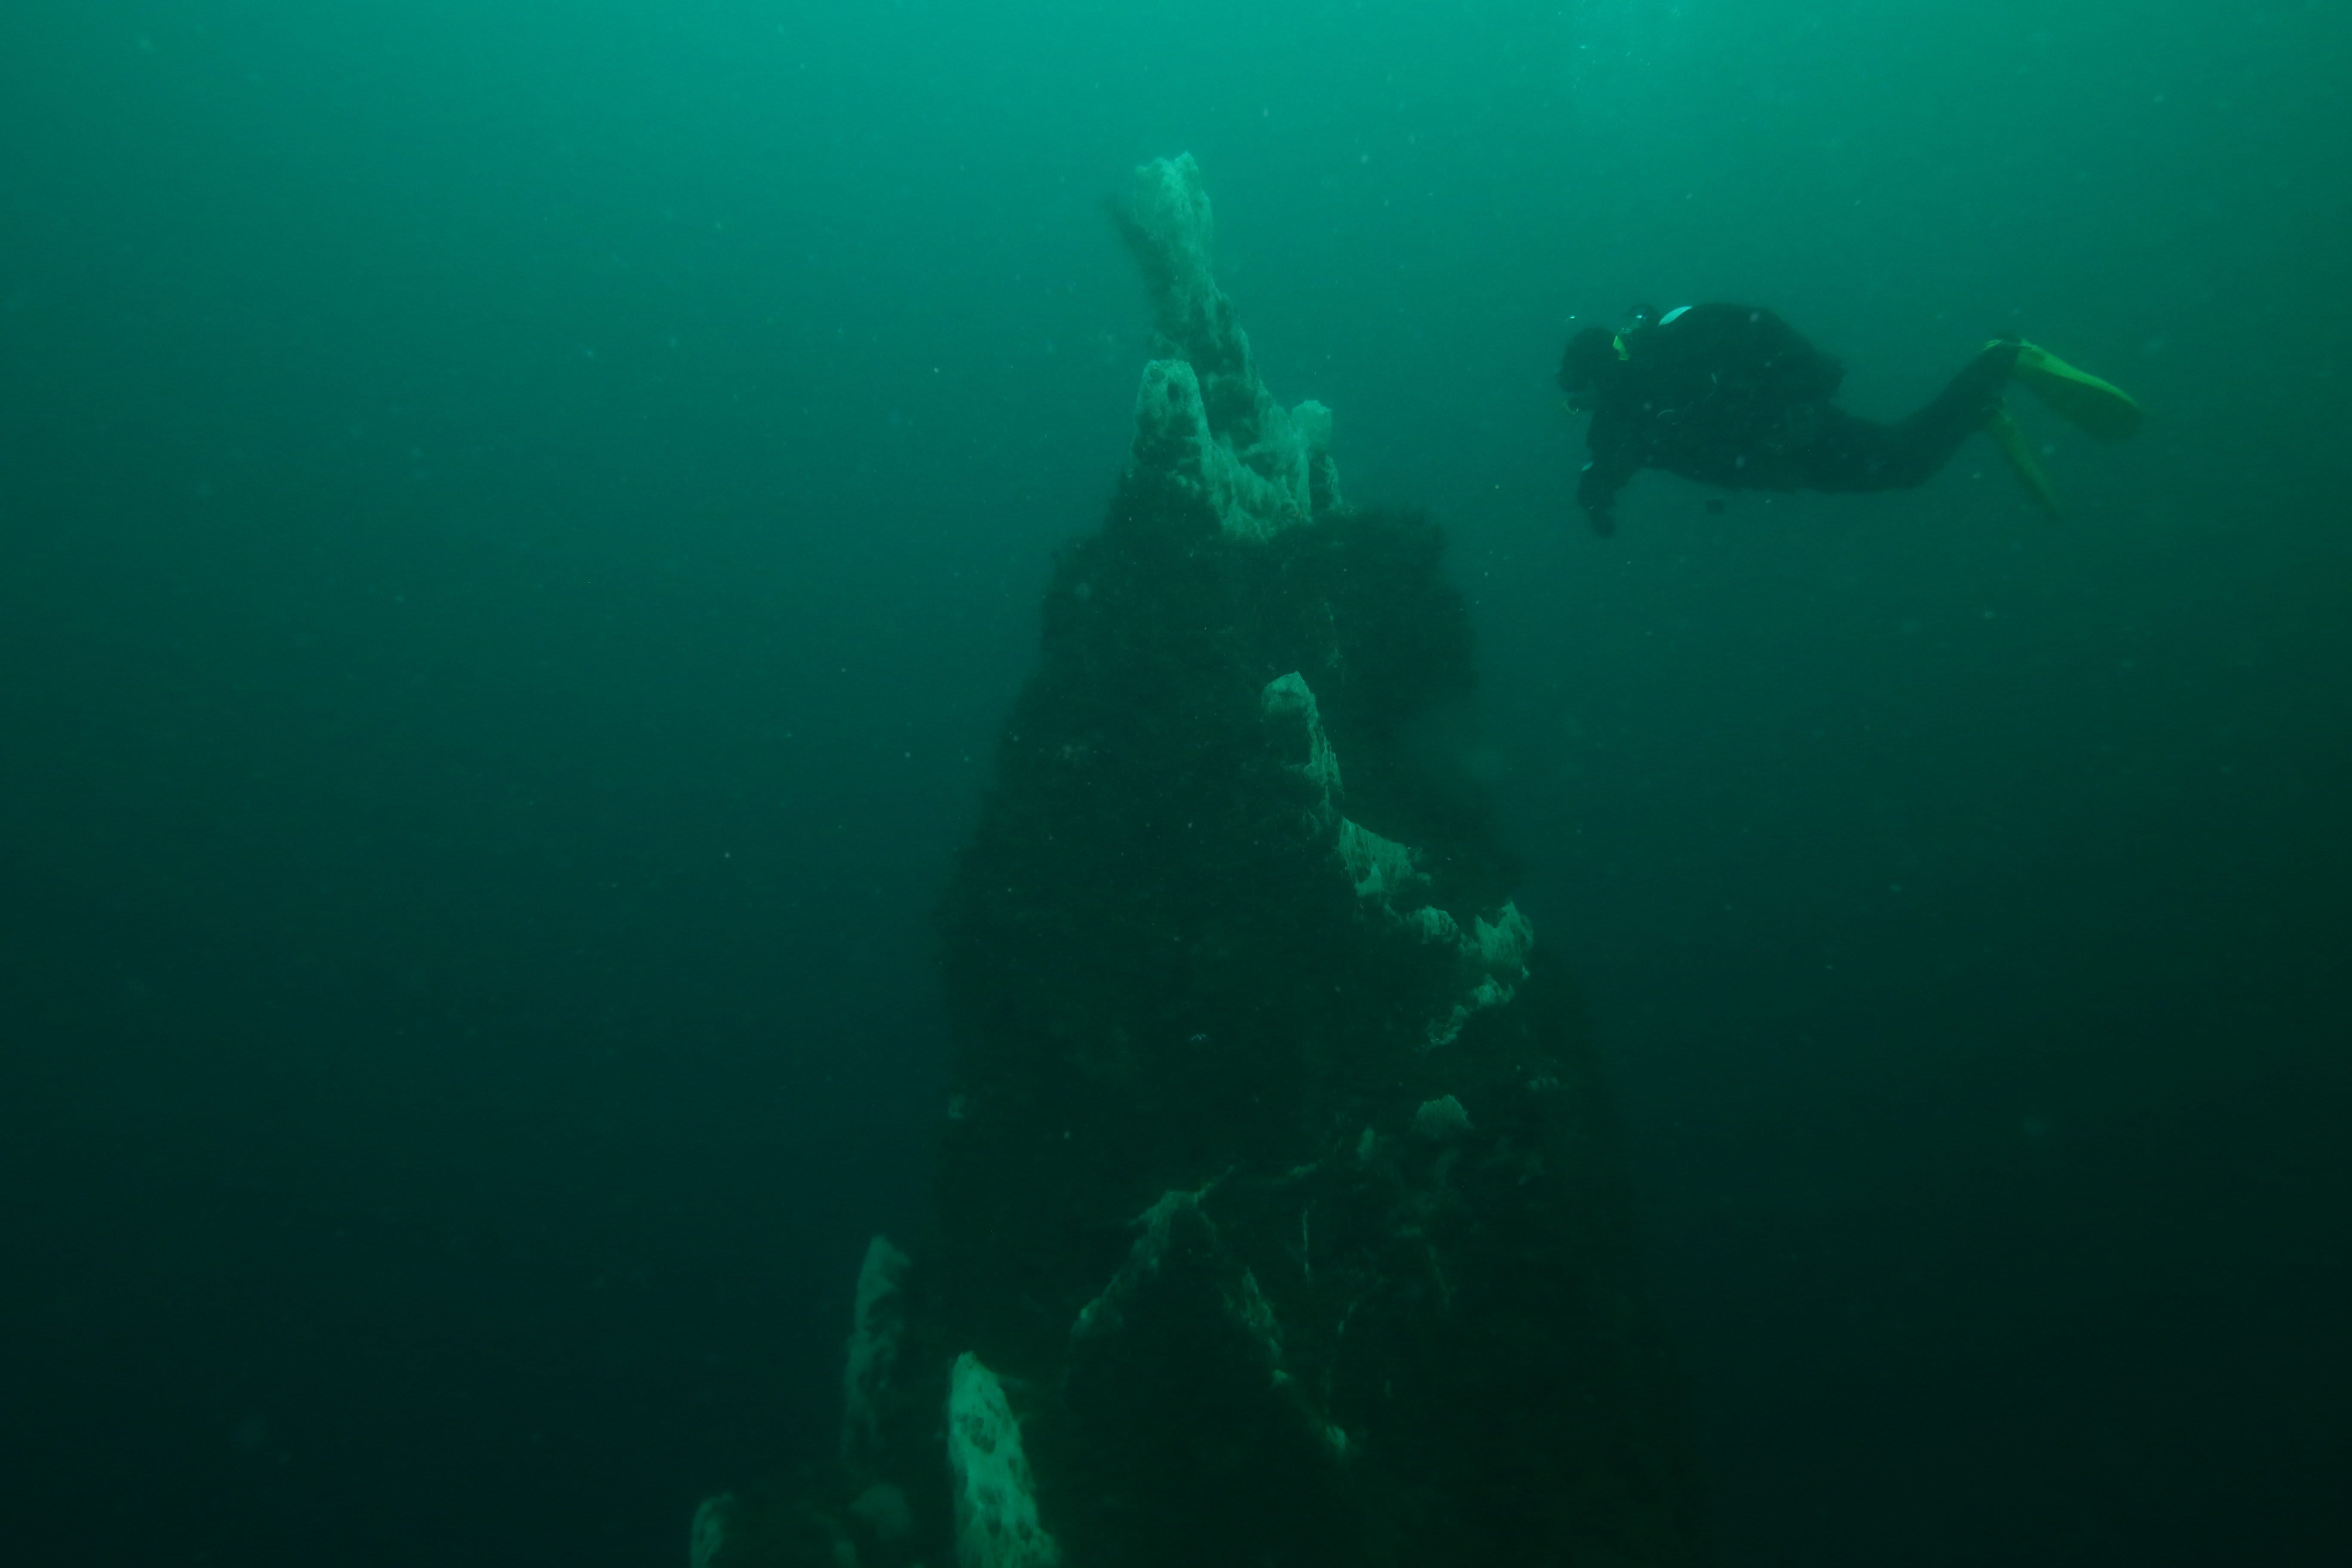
pixel 1731 395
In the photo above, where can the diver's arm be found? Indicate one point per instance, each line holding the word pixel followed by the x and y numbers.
pixel 1615 460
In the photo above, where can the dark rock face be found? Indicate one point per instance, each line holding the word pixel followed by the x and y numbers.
pixel 1279 1199
pixel 1267 1312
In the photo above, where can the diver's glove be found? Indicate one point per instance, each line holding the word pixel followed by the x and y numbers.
pixel 1598 498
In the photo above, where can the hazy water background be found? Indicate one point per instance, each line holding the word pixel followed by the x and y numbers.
pixel 519 522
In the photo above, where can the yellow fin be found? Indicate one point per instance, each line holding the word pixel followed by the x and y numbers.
pixel 2012 440
pixel 2096 408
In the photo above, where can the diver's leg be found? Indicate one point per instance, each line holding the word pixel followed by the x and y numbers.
pixel 1854 453
pixel 1961 410
pixel 1851 454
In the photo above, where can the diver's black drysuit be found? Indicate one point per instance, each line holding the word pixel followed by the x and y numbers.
pixel 1731 395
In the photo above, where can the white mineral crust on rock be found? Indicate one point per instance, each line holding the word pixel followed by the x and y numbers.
pixel 1158 1224
pixel 1203 420
pixel 1243 1300
pixel 1289 695
pixel 875 1327
pixel 1441 1119
pixel 996 1497
pixel 709 1533
pixel 1387 874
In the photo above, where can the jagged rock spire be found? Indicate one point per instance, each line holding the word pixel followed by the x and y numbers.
pixel 1205 423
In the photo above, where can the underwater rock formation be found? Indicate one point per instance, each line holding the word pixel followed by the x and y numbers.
pixel 1279 1220
pixel 1205 426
